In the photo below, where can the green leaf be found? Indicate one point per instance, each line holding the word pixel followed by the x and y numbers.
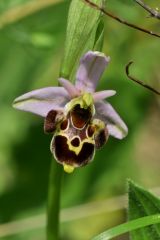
pixel 83 33
pixel 129 226
pixel 99 37
pixel 143 203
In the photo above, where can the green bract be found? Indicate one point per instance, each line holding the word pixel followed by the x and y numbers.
pixel 142 203
pixel 84 32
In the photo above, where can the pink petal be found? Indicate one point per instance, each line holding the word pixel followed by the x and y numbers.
pixel 70 88
pixel 41 101
pixel 97 96
pixel 115 125
pixel 92 65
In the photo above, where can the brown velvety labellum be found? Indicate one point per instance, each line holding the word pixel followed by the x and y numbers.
pixel 101 138
pixel 90 130
pixel 50 122
pixel 64 155
pixel 75 142
pixel 80 116
pixel 64 125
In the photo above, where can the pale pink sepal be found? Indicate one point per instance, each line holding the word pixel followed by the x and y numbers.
pixel 115 125
pixel 97 96
pixel 91 67
pixel 70 88
pixel 41 101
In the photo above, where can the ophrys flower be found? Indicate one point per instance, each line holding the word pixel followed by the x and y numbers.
pixel 77 116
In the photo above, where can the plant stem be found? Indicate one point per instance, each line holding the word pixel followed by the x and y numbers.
pixel 54 201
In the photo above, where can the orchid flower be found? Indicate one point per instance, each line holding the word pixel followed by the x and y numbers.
pixel 77 116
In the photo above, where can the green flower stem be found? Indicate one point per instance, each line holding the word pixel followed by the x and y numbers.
pixel 129 226
pixel 54 192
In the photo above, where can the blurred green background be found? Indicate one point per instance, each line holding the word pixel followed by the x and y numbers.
pixel 32 35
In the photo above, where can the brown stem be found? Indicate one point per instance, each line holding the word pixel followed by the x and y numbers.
pixel 90 3
pixel 153 13
pixel 138 81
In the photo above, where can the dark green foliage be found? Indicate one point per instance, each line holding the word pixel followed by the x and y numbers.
pixel 143 203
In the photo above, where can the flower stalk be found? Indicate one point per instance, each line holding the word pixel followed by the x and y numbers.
pixel 54 192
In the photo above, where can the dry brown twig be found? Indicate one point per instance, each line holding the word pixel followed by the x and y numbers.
pixel 153 12
pixel 93 5
pixel 138 81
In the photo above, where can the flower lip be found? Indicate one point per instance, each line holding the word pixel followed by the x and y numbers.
pixel 50 122
pixel 65 156
pixel 80 116
pixel 101 138
pixel 75 142
pixel 90 131
pixel 64 124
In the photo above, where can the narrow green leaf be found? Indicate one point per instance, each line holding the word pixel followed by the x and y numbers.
pixel 143 203
pixel 81 36
pixel 129 226
pixel 99 37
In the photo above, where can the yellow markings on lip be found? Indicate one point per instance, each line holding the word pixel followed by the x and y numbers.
pixel 98 124
pixel 68 168
pixel 85 101
pixel 77 150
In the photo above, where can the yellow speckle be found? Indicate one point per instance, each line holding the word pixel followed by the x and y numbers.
pixel 68 168
pixel 87 100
